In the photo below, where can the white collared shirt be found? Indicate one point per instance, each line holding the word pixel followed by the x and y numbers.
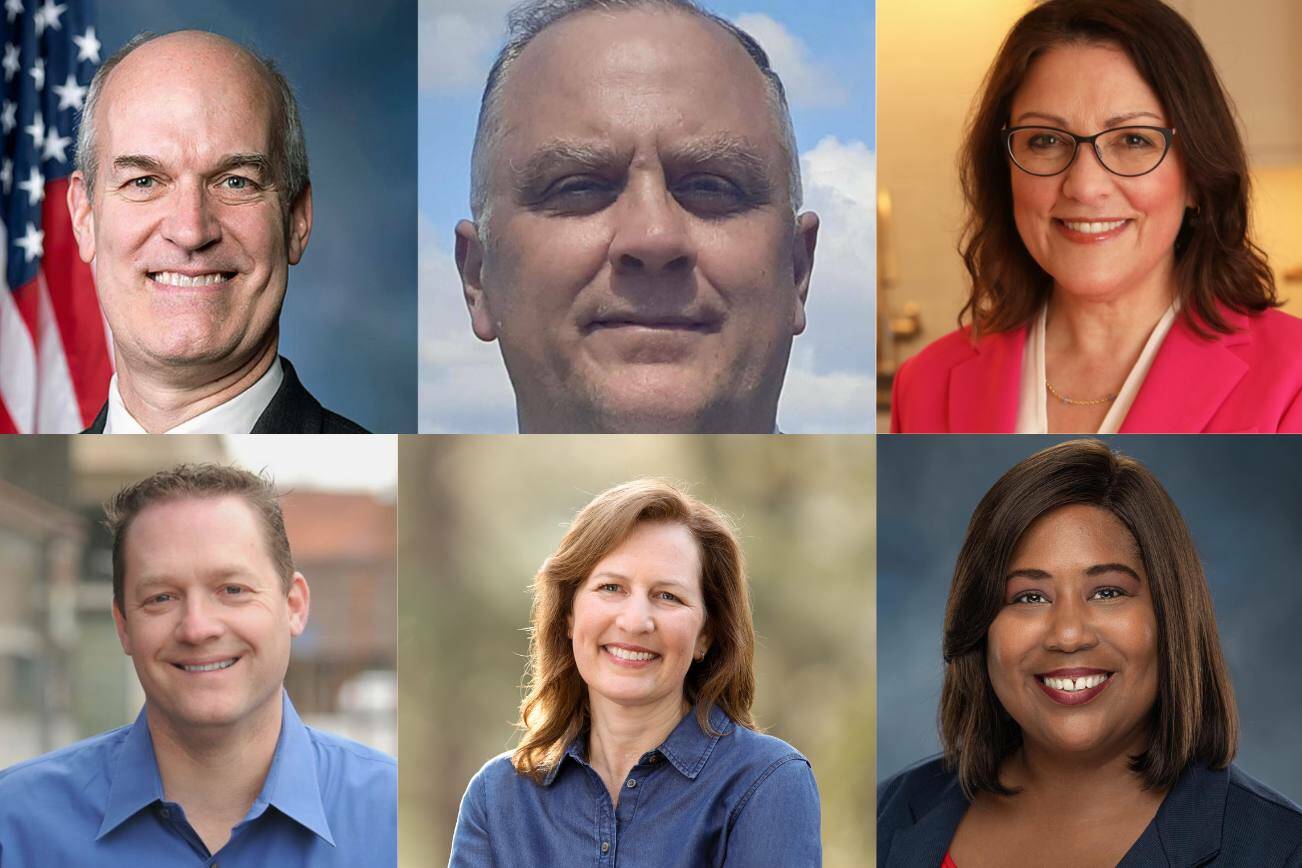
pixel 236 416
pixel 1033 404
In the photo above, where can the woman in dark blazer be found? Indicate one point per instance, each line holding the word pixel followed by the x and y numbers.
pixel 1086 715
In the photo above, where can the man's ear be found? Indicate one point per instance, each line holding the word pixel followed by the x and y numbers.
pixel 802 264
pixel 470 263
pixel 120 624
pixel 83 217
pixel 300 224
pixel 299 599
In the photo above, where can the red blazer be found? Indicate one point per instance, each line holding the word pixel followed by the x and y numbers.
pixel 1249 381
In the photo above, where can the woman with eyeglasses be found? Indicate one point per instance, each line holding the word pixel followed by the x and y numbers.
pixel 1115 287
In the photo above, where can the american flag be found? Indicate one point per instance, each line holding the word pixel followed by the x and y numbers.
pixel 55 361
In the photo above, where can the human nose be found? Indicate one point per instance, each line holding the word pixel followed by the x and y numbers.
pixel 191 222
pixel 1086 179
pixel 1069 627
pixel 651 235
pixel 635 616
pixel 198 623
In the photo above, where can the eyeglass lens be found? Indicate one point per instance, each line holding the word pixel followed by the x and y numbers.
pixel 1124 151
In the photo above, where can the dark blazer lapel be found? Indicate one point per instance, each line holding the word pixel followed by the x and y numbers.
pixel 925 842
pixel 292 410
pixel 1187 829
pixel 1189 380
pixel 983 390
pixel 97 427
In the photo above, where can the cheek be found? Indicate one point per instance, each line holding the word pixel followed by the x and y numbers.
pixel 1007 641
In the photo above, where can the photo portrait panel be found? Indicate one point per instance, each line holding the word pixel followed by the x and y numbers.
pixel 478 518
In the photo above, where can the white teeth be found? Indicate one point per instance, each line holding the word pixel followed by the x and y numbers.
pixel 1072 685
pixel 209 667
pixel 172 278
pixel 1094 228
pixel 625 654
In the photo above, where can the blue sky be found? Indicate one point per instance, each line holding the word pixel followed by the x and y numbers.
pixel 824 51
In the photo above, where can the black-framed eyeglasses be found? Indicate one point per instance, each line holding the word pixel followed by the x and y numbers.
pixel 1126 151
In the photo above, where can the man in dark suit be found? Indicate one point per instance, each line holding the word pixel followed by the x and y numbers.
pixel 190 201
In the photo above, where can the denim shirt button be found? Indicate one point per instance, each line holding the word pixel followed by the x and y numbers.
pixel 631 783
pixel 605 847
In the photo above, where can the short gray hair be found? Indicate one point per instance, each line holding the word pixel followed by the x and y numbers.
pixel 532 17
pixel 288 146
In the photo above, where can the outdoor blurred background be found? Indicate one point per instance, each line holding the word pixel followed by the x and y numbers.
pixel 478 517
pixel 1240 496
pixel 63 676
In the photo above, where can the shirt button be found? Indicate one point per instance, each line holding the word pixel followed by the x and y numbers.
pixel 630 783
pixel 605 847
pixel 164 813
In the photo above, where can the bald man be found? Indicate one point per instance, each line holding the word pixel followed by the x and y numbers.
pixel 190 201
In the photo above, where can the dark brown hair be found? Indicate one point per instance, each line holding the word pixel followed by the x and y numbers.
pixel 197 481
pixel 1194 719
pixel 555 710
pixel 1216 261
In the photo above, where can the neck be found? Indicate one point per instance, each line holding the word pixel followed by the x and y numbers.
pixel 1114 327
pixel 1078 784
pixel 757 418
pixel 620 735
pixel 162 397
pixel 215 773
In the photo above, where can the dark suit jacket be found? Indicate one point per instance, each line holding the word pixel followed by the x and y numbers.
pixel 1209 817
pixel 292 410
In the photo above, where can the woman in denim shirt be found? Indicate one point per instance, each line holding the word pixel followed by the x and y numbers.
pixel 639 748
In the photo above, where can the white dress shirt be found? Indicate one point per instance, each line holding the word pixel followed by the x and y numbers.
pixel 1033 404
pixel 236 416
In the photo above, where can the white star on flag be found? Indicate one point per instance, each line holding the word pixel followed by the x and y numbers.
pixel 35 187
pixel 11 63
pixel 7 176
pixel 33 242
pixel 38 72
pixel 36 130
pixel 56 146
pixel 50 12
pixel 87 46
pixel 71 94
pixel 13 8
pixel 7 119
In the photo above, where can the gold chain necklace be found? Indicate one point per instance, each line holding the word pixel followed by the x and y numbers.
pixel 1075 403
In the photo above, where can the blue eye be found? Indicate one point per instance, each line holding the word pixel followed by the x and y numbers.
pixel 143 183
pixel 235 182
pixel 666 595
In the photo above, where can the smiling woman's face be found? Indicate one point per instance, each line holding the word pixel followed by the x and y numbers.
pixel 1072 655
pixel 1098 235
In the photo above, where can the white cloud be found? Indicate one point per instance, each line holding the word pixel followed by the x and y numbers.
pixel 807 83
pixel 457 39
pixel 463 383
pixel 829 383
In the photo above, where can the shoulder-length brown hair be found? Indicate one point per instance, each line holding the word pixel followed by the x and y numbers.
pixel 1216 261
pixel 1194 719
pixel 555 709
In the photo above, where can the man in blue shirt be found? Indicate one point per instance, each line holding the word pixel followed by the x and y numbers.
pixel 218 769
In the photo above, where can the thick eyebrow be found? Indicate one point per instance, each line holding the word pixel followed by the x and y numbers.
pixel 137 161
pixel 561 152
pixel 1096 570
pixel 1114 121
pixel 722 148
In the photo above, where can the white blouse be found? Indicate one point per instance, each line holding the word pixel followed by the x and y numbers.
pixel 1033 404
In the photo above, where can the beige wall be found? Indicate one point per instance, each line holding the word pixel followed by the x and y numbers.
pixel 931 58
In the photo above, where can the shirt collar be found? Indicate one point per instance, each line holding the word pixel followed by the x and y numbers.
pixel 687 748
pixel 291 786
pixel 236 416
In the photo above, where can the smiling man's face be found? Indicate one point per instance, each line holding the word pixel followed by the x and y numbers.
pixel 640 262
pixel 189 237
pixel 205 615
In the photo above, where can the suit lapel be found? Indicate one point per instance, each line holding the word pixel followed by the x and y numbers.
pixel 983 390
pixel 292 410
pixel 925 842
pixel 1190 378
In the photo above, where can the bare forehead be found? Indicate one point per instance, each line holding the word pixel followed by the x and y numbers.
pixel 604 59
pixel 188 68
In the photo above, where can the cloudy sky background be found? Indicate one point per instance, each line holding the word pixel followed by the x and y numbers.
pixel 823 50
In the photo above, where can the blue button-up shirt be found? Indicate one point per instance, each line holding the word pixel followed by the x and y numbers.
pixel 737 798
pixel 327 801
